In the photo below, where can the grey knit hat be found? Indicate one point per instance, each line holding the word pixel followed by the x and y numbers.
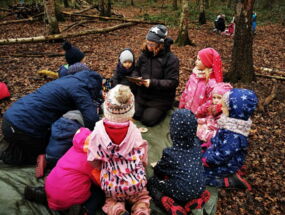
pixel 157 34
pixel 126 55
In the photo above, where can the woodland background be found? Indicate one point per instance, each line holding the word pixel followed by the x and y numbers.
pixel 20 63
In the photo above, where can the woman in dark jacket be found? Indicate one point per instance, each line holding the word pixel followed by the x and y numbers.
pixel 26 124
pixel 159 69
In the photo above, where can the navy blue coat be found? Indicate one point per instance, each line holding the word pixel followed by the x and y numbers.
pixel 180 173
pixel 35 112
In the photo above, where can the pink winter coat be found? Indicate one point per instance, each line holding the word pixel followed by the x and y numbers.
pixel 196 93
pixel 122 166
pixel 70 180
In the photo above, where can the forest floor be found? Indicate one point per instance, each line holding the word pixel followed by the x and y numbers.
pixel 266 156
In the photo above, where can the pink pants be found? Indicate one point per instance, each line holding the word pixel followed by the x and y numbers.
pixel 140 201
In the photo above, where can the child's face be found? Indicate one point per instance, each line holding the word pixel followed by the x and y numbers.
pixel 225 108
pixel 199 64
pixel 127 64
pixel 217 99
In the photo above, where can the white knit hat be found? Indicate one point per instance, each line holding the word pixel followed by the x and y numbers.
pixel 126 55
pixel 119 104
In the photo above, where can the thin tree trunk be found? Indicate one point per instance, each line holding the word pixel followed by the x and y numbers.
pixel 202 15
pixel 183 37
pixel 174 4
pixel 242 60
pixel 49 6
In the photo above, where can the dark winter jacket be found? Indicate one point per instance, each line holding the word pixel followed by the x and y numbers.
pixel 163 72
pixel 181 164
pixel 119 76
pixel 63 71
pixel 228 151
pixel 35 113
pixel 62 132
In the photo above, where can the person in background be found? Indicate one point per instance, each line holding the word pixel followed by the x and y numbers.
pixel 158 68
pixel 220 23
pixel 253 22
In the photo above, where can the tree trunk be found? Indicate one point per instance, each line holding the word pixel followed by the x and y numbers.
pixel 183 37
pixel 105 8
pixel 132 3
pixel 174 4
pixel 49 6
pixel 202 15
pixel 242 60
pixel 207 4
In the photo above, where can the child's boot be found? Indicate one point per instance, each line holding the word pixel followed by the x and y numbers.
pixel 237 182
pixel 172 207
pixel 35 194
pixel 197 203
pixel 41 165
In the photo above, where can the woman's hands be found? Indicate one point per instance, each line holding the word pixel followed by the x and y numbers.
pixel 145 82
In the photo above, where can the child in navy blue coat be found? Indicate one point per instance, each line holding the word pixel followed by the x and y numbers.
pixel 178 184
pixel 125 66
pixel 226 156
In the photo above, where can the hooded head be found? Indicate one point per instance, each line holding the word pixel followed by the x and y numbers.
pixel 126 55
pixel 157 34
pixel 211 59
pixel 119 104
pixel 183 126
pixel 72 54
pixel 241 103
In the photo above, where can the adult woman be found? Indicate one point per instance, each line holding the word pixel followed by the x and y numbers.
pixel 159 69
pixel 26 124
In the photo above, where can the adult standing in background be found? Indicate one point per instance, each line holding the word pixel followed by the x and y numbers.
pixel 158 68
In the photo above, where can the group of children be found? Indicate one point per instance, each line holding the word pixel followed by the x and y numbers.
pixel 212 115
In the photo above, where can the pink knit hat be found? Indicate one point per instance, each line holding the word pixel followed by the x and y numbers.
pixel 211 59
pixel 221 88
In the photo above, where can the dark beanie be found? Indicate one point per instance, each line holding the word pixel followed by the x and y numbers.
pixel 157 34
pixel 72 54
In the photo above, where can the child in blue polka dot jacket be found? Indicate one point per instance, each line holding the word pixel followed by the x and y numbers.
pixel 224 159
pixel 178 184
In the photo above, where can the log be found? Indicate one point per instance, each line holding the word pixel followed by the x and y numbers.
pixel 73 25
pixel 61 36
pixel 30 19
pixel 110 18
pixel 271 76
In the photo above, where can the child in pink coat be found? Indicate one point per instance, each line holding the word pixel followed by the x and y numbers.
pixel 117 147
pixel 206 73
pixel 69 183
pixel 210 113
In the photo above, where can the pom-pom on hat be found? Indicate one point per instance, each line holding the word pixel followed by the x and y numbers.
pixel 126 55
pixel 72 54
pixel 119 104
pixel 211 59
pixel 157 34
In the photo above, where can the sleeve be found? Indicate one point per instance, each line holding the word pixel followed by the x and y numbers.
pixel 145 155
pixel 203 111
pixel 84 103
pixel 114 79
pixel 208 99
pixel 171 75
pixel 216 156
pixel 182 101
pixel 164 166
pixel 80 138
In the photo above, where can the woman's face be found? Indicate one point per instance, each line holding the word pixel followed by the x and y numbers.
pixel 151 46
pixel 217 99
pixel 199 64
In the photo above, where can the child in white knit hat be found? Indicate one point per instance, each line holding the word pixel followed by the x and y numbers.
pixel 125 66
pixel 116 146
